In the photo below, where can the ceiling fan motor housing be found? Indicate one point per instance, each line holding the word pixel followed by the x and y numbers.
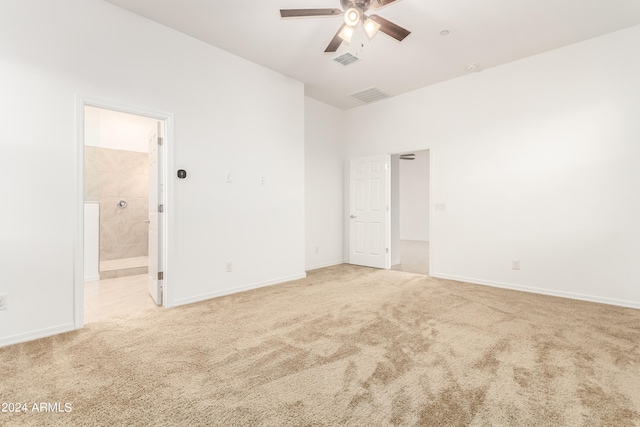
pixel 361 5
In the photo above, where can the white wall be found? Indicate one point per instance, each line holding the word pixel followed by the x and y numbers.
pixel 117 130
pixel 414 197
pixel 535 160
pixel 229 116
pixel 324 160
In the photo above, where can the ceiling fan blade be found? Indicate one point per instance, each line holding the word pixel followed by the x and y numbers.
pixel 296 13
pixel 335 42
pixel 377 4
pixel 391 29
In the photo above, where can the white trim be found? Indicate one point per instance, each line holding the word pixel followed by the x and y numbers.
pixel 229 291
pixel 324 264
pixel 540 291
pixel 167 119
pixel 34 335
pixel 78 220
pixel 387 212
pixel 432 246
pixel 91 278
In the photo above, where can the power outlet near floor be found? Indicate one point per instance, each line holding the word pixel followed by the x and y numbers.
pixel 515 264
pixel 3 302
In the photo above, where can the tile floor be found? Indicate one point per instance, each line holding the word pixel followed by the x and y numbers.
pixel 121 297
pixel 414 257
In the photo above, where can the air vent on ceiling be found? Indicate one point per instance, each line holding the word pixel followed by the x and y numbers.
pixel 346 59
pixel 369 95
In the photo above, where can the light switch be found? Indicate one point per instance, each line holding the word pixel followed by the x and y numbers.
pixel 229 177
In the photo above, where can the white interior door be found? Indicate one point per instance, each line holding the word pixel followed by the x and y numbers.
pixel 155 214
pixel 370 220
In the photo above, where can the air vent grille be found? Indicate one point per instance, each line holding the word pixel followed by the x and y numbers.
pixel 346 59
pixel 369 95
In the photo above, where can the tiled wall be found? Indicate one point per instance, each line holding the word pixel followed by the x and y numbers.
pixel 109 176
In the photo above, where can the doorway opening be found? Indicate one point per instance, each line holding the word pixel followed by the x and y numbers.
pixel 122 192
pixel 410 211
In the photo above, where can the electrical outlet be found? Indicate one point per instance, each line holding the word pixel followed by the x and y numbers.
pixel 515 264
pixel 317 249
pixel 3 302
pixel 228 178
pixel 228 267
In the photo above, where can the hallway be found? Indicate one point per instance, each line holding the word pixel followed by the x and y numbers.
pixel 414 257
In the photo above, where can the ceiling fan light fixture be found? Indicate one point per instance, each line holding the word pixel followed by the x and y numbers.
pixel 351 17
pixel 371 27
pixel 347 33
pixel 354 14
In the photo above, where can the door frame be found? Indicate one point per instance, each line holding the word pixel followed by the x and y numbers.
pixel 431 198
pixel 167 145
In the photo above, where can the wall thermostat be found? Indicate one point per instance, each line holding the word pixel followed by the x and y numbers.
pixel 182 174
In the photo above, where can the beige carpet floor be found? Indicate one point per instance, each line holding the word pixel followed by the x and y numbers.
pixel 346 346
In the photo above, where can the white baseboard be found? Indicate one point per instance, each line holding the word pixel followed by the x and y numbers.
pixel 324 264
pixel 395 262
pixel 34 335
pixel 91 278
pixel 229 291
pixel 543 291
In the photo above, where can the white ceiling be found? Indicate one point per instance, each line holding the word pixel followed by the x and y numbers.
pixel 488 32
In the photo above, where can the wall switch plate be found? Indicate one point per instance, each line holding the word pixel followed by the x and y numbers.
pixel 228 177
pixel 515 264
pixel 228 267
pixel 317 249
pixel 441 207
pixel 3 302
pixel 262 180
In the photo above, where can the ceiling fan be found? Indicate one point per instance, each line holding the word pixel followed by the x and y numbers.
pixel 354 12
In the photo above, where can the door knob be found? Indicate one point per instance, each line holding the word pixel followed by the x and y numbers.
pixel 353 216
